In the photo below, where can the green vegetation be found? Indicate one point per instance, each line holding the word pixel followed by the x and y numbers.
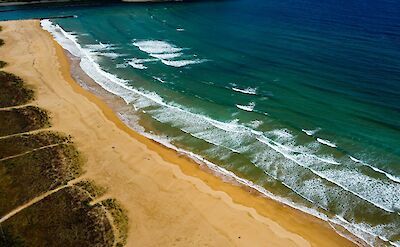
pixel 21 120
pixel 28 176
pixel 90 187
pixel 19 144
pixel 2 64
pixel 64 218
pixel 13 91
pixel 1 42
pixel 120 219
pixel 39 165
pixel 9 240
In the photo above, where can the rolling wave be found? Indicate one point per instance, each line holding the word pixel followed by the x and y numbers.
pixel 310 132
pixel 248 90
pixel 156 47
pixel 166 53
pixel 326 142
pixel 249 107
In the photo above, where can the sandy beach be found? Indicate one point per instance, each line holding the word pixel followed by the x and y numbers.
pixel 170 200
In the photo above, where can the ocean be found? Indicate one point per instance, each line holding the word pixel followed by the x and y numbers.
pixel 297 99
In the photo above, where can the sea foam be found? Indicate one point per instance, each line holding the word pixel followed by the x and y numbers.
pixel 326 142
pixel 182 63
pixel 248 90
pixel 167 53
pixel 310 132
pixel 248 107
pixel 156 47
pixel 138 63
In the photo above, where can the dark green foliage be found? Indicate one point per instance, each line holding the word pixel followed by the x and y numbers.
pixel 22 120
pixel 62 219
pixel 8 240
pixel 34 164
pixel 2 64
pixel 13 92
pixel 26 177
pixel 1 42
pixel 27 142
pixel 93 189
pixel 119 217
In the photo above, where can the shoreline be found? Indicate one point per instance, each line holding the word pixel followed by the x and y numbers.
pixel 281 222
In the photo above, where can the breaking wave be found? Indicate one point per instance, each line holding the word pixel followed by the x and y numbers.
pixel 326 142
pixel 248 90
pixel 249 107
pixel 166 53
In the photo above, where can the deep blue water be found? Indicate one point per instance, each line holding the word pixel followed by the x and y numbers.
pixel 299 97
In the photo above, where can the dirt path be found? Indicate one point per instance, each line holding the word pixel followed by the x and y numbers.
pixel 36 199
pixel 31 151
pixel 24 133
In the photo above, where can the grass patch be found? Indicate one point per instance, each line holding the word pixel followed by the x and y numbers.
pixel 2 64
pixel 9 240
pixel 64 218
pixel 61 219
pixel 27 142
pixel 119 217
pixel 26 177
pixel 93 189
pixel 13 92
pixel 22 120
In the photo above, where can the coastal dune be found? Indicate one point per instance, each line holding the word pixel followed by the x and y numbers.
pixel 169 199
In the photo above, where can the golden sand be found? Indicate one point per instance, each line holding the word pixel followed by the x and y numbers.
pixel 170 200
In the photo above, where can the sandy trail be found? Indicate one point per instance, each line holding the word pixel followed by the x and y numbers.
pixel 36 200
pixel 24 133
pixel 31 151
pixel 15 107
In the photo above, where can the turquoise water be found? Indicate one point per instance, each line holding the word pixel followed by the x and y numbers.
pixel 301 98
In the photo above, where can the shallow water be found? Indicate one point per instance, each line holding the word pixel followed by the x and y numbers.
pixel 299 98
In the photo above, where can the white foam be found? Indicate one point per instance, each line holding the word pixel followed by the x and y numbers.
pixel 348 180
pixel 165 55
pixel 248 107
pixel 255 124
pixel 156 46
pixel 181 63
pixel 100 47
pixel 137 63
pixel 354 159
pixel 166 52
pixel 111 55
pixel 326 142
pixel 158 79
pixel 282 135
pixel 67 40
pixel 388 175
pixel 310 132
pixel 180 29
pixel 248 90
pixel 329 160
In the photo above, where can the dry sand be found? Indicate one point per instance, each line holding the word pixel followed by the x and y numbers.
pixel 170 200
